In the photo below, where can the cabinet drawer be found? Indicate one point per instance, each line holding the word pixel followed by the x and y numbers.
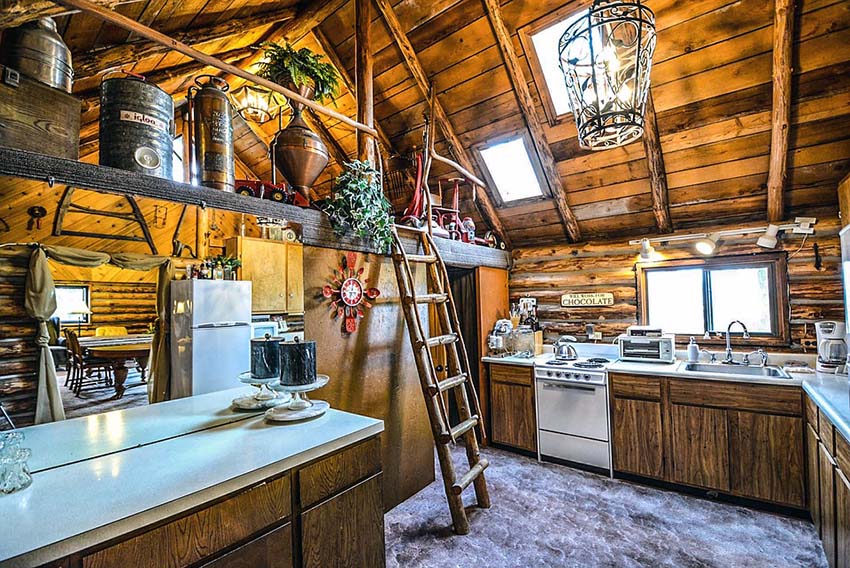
pixel 634 386
pixel 812 413
pixel 512 374
pixel 190 539
pixel 826 433
pixel 842 453
pixel 331 475
pixel 739 396
pixel 272 550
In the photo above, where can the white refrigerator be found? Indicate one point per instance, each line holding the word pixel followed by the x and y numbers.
pixel 210 335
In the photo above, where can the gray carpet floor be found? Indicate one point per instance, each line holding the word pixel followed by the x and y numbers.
pixel 550 515
pixel 95 399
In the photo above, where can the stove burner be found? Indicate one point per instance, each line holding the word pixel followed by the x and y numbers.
pixel 559 362
pixel 590 364
pixel 598 360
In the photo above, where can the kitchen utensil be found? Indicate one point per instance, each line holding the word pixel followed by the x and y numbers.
pixel 564 349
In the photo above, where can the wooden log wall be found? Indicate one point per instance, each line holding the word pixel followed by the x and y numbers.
pixel 18 354
pixel 815 291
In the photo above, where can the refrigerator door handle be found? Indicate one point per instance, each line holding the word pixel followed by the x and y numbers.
pixel 222 324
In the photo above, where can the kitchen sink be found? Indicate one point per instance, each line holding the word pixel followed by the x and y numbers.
pixel 753 371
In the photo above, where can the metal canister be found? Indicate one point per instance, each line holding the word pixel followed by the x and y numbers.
pixel 265 357
pixel 136 126
pixel 36 50
pixel 212 142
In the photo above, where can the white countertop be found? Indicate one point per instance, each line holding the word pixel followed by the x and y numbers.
pixel 677 370
pixel 832 395
pixel 88 437
pixel 72 507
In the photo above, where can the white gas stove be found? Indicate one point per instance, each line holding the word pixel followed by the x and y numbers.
pixel 572 411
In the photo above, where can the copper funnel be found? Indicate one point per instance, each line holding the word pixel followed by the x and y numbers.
pixel 299 154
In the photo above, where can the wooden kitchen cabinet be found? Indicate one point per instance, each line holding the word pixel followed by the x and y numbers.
pixel 512 407
pixel 276 272
pixel 700 446
pixel 637 437
pixel 768 457
pixel 742 439
pixel 325 513
pixel 346 530
pixel 842 519
pixel 813 475
pixel 827 503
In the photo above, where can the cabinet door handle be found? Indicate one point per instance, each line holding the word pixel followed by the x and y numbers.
pixel 567 387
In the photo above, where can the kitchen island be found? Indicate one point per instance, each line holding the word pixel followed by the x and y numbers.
pixel 211 487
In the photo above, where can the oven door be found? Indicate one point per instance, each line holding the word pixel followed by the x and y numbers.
pixel 575 409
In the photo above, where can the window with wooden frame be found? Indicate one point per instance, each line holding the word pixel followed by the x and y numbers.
pixel 540 43
pixel 73 303
pixel 512 170
pixel 694 296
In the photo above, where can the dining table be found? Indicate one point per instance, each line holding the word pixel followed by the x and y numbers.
pixel 117 356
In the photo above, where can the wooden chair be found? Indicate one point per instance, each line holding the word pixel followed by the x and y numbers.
pixel 82 368
pixel 110 331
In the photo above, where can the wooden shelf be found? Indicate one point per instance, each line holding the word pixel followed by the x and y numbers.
pixel 316 230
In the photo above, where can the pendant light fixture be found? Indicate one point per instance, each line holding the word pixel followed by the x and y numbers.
pixel 606 56
pixel 255 103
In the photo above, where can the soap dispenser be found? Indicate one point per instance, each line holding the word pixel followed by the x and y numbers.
pixel 693 351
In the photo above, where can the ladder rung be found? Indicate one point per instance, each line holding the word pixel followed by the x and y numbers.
pixel 441 340
pixel 470 476
pixel 460 429
pixel 450 383
pixel 429 298
pixel 411 229
pixel 424 258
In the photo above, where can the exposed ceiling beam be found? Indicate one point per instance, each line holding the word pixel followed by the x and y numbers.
pixel 337 151
pixel 16 12
pixel 657 171
pixel 333 57
pixel 526 104
pixel 116 56
pixel 783 41
pixel 311 13
pixel 411 60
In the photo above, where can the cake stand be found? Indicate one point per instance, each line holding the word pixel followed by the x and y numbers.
pixel 300 407
pixel 264 398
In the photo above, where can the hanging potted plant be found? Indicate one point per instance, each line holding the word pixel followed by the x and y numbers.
pixel 298 152
pixel 358 206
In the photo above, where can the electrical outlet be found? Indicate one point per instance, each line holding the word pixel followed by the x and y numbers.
pixel 596 336
pixel 805 227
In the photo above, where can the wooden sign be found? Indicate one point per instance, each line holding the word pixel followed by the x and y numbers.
pixel 587 300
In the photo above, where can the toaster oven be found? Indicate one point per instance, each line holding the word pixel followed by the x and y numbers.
pixel 648 349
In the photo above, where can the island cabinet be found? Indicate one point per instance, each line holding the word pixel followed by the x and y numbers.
pixel 512 407
pixel 276 272
pixel 741 439
pixel 828 470
pixel 325 513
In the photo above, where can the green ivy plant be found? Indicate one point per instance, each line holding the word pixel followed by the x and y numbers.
pixel 284 63
pixel 358 205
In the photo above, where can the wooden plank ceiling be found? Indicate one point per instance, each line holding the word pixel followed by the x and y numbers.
pixel 711 87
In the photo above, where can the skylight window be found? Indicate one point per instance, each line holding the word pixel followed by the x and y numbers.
pixel 541 39
pixel 511 170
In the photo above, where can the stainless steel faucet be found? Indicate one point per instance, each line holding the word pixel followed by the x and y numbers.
pixel 728 359
pixel 761 352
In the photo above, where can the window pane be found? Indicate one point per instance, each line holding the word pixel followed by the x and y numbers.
pixel 546 48
pixel 741 294
pixel 675 300
pixel 72 304
pixel 511 170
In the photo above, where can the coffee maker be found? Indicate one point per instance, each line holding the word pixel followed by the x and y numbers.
pixel 832 347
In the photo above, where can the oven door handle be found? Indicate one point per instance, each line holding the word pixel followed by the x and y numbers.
pixel 564 386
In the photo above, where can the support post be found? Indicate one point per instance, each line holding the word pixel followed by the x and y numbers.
pixel 363 72
pixel 657 171
pixel 783 41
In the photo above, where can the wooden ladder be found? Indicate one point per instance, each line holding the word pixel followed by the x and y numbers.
pixel 459 379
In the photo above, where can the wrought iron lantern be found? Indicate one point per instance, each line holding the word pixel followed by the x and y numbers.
pixel 256 103
pixel 606 56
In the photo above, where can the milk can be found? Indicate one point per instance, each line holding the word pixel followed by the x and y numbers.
pixel 212 138
pixel 37 51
